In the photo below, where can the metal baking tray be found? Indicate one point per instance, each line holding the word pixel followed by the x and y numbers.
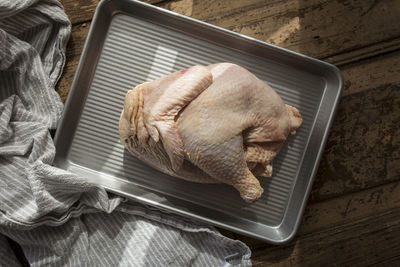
pixel 130 42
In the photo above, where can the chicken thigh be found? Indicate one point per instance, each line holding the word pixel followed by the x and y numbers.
pixel 208 124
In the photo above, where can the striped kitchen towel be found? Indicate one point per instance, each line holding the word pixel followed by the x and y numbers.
pixel 56 217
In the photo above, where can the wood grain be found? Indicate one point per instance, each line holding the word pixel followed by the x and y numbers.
pixel 372 240
pixel 316 28
pixel 368 51
pixel 362 148
pixel 345 209
pixel 74 50
pixel 80 11
pixel 371 73
pixel 323 40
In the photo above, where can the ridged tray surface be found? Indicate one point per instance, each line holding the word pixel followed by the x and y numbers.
pixel 136 51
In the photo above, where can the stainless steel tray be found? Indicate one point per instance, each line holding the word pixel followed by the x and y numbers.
pixel 130 42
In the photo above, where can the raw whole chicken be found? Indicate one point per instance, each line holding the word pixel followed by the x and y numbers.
pixel 208 124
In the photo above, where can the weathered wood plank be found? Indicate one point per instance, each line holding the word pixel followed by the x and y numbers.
pixel 367 241
pixel 65 81
pixel 362 150
pixel 74 49
pixel 212 10
pixel 316 28
pixel 82 10
pixel 79 10
pixel 371 73
pixel 367 40
pixel 77 40
pixel 347 208
pixel 365 52
pixel 343 229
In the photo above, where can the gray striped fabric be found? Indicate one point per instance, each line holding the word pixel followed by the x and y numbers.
pixel 58 218
pixel 7 255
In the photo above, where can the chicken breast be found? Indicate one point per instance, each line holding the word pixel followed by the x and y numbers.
pixel 208 124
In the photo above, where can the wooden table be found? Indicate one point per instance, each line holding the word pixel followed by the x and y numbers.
pixel 353 214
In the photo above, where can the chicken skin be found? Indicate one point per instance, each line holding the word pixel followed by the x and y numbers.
pixel 208 124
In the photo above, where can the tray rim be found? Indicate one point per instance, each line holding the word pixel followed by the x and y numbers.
pixel 285 236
